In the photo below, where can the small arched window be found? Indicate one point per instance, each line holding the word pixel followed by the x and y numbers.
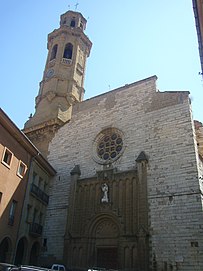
pixel 81 25
pixel 68 51
pixel 54 52
pixel 72 23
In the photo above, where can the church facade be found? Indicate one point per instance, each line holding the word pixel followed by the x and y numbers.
pixel 139 143
pixel 128 190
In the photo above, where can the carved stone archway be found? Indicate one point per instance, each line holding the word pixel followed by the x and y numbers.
pixel 108 230
pixel 105 233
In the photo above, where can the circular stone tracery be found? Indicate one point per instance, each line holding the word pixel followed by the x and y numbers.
pixel 109 145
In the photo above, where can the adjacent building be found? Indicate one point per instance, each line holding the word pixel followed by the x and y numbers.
pixel 23 198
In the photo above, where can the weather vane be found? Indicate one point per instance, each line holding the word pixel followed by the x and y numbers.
pixel 76 6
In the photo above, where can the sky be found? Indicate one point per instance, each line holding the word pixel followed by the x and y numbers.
pixel 132 40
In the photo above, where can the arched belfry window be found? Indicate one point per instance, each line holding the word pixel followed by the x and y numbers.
pixel 68 51
pixel 72 23
pixel 81 25
pixel 54 52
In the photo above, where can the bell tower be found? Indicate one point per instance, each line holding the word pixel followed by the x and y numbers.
pixel 63 80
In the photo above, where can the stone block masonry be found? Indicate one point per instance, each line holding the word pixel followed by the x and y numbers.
pixel 159 124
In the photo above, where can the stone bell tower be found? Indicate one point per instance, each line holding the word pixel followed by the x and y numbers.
pixel 63 80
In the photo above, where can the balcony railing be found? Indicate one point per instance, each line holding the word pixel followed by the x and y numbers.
pixel 41 195
pixel 66 61
pixel 36 229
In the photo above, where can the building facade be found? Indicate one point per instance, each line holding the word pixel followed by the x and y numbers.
pixel 23 200
pixel 13 181
pixel 128 190
pixel 30 243
pixel 129 182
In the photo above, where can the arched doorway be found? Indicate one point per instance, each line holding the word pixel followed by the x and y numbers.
pixel 5 250
pixel 34 254
pixel 106 234
pixel 99 247
pixel 20 252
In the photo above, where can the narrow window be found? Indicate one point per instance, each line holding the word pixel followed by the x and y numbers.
pixel 7 157
pixel 81 25
pixel 12 213
pixel 21 169
pixel 54 52
pixel 68 51
pixel 1 196
pixel 72 23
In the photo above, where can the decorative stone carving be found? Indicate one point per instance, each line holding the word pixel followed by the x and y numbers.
pixel 104 188
pixel 107 229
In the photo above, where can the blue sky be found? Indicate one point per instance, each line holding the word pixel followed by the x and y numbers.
pixel 132 40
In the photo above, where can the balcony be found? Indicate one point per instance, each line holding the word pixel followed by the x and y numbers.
pixel 39 194
pixel 36 229
pixel 67 61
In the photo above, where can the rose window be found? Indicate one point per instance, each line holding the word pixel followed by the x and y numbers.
pixel 108 145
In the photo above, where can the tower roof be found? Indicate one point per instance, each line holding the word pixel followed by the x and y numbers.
pixel 68 17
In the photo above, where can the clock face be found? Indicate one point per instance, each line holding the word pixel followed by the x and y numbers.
pixel 50 73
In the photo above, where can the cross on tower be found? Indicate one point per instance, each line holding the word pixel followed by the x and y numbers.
pixel 76 5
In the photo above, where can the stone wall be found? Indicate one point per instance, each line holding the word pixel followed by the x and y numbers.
pixel 159 124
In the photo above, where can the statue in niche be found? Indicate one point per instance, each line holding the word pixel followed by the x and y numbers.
pixel 104 188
